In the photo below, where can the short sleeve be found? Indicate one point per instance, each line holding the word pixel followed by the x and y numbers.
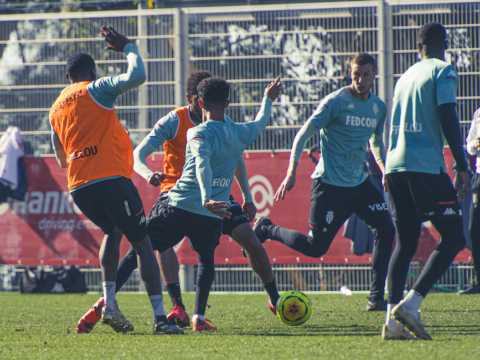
pixel 447 83
pixel 198 142
pixel 325 113
pixel 164 130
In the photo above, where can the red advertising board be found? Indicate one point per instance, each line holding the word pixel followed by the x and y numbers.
pixel 48 229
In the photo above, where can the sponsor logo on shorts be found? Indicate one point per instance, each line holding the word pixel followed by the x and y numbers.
pixel 142 220
pixel 310 233
pixel 127 209
pixel 329 217
pixel 449 211
pixel 243 216
pixel 379 207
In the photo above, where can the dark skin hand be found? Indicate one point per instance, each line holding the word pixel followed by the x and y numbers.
pixel 116 40
pixel 156 178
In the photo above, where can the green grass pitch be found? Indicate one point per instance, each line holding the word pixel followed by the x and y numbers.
pixel 43 327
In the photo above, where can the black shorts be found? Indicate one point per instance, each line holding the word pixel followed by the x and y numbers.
pixel 238 217
pixel 168 225
pixel 422 196
pixel 332 205
pixel 113 203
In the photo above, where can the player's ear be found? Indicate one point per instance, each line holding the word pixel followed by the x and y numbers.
pixel 67 77
pixel 227 103
pixel 200 102
pixel 189 99
pixel 419 47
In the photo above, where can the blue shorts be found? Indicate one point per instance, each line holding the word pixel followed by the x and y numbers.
pixel 167 225
pixel 113 203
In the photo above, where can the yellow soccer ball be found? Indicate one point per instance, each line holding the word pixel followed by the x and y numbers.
pixel 294 308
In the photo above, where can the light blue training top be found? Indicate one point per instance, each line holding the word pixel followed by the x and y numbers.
pixel 106 90
pixel 416 136
pixel 223 144
pixel 346 125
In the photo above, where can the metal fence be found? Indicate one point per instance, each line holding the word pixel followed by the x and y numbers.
pixel 309 45
pixel 305 277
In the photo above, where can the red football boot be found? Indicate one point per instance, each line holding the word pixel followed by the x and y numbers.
pixel 200 325
pixel 178 316
pixel 273 309
pixel 88 321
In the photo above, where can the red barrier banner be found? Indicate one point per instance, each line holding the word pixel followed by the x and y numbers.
pixel 47 228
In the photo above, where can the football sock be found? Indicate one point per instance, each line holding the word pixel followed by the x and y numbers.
pixel 453 241
pixel 412 301
pixel 109 291
pixel 408 233
pixel 175 294
pixel 126 266
pixel 390 321
pixel 205 277
pixel 197 316
pixel 271 289
pixel 157 305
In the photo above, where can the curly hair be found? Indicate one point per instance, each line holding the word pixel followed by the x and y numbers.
pixel 79 64
pixel 432 34
pixel 213 92
pixel 196 78
pixel 363 59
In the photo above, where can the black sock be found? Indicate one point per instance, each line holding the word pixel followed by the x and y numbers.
pixel 126 266
pixel 271 289
pixel 175 294
pixel 205 278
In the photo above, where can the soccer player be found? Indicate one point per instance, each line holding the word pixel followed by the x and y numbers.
pixel 347 119
pixel 90 141
pixel 196 204
pixel 473 148
pixel 171 132
pixel 423 115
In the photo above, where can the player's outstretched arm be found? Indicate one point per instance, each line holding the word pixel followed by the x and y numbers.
pixel 306 132
pixel 451 130
pixel 241 176
pixel 107 89
pixel 271 93
pixel 140 164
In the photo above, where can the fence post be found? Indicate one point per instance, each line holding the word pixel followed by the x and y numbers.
pixel 181 55
pixel 385 61
pixel 142 45
pixel 187 277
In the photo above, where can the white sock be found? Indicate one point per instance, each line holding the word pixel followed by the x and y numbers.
pixel 390 321
pixel 195 316
pixel 412 301
pixel 157 305
pixel 109 291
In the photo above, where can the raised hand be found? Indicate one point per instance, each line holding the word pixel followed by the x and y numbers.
pixel 156 178
pixel 116 40
pixel 273 89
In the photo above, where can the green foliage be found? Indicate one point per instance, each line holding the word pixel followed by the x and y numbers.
pixel 43 327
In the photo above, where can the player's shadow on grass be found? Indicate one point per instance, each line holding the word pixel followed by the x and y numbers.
pixel 325 330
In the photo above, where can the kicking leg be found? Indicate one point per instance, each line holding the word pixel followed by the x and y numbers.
pixel 258 258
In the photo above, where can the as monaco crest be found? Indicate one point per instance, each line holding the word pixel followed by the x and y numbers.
pixel 375 108
pixel 329 217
